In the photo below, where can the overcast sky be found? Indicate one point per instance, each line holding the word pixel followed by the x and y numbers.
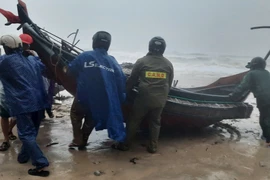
pixel 188 26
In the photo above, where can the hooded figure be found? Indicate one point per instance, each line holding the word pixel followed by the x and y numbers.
pixel 22 84
pixel 100 92
pixel 257 81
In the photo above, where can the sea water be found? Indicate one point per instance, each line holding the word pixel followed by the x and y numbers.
pixel 195 69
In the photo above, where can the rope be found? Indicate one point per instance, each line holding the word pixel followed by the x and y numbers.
pixel 51 55
pixel 58 59
pixel 55 65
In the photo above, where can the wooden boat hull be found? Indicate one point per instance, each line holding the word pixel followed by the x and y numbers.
pixel 179 112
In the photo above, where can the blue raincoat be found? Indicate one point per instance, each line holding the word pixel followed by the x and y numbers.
pixel 23 95
pixel 22 89
pixel 101 89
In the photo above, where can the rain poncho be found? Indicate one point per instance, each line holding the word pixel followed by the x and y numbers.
pixel 101 90
pixel 22 89
pixel 258 82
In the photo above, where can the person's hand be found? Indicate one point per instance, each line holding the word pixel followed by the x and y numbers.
pixel 65 69
pixel 33 53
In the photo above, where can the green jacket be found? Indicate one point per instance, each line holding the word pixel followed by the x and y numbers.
pixel 155 74
pixel 258 82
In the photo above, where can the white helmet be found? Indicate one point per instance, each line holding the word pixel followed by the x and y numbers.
pixel 11 41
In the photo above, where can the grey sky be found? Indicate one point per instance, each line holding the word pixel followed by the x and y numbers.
pixel 188 26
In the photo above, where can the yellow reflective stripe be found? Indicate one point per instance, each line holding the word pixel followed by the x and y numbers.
pixel 153 74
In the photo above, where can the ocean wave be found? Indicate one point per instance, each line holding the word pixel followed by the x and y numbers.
pixel 195 64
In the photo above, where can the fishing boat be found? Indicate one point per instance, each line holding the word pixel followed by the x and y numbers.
pixel 186 107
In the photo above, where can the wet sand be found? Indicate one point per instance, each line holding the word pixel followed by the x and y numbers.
pixel 231 150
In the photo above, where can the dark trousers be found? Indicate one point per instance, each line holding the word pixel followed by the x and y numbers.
pixel 265 121
pixel 81 130
pixel 28 127
pixel 49 111
pixel 139 112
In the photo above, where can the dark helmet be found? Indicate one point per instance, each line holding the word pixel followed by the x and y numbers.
pixel 256 63
pixel 101 39
pixel 157 45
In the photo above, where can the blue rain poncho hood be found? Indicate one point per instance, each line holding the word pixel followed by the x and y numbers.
pixel 101 90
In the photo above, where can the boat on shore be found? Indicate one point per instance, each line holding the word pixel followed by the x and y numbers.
pixel 186 107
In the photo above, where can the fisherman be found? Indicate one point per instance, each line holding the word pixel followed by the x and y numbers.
pixel 100 92
pixel 24 98
pixel 27 40
pixel 7 122
pixel 155 74
pixel 257 80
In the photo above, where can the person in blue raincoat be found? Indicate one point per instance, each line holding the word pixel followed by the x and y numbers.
pixel 27 40
pixel 100 92
pixel 24 97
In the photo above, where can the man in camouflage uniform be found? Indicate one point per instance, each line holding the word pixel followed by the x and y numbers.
pixel 155 74
pixel 258 82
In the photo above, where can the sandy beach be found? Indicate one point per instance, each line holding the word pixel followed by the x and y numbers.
pixel 231 150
